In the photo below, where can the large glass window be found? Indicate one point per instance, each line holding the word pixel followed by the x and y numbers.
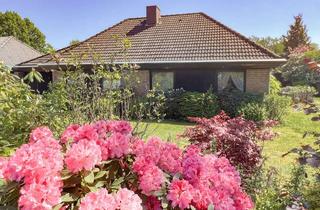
pixel 163 80
pixel 230 81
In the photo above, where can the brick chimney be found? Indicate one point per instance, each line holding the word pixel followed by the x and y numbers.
pixel 153 15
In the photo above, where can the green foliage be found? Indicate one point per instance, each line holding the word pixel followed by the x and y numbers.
pixel 299 94
pixel 172 106
pixel 74 41
pixel 230 102
pixel 297 35
pixel 275 85
pixel 11 24
pixel 18 110
pixel 270 192
pixel 33 76
pixel 195 104
pixel 313 54
pixel 253 111
pixel 276 45
pixel 150 107
pixel 297 72
pixel 276 106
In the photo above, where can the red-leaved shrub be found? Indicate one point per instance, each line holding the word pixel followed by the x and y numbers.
pixel 233 138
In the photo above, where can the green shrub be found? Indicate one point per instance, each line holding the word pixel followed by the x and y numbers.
pixel 152 106
pixel 195 104
pixel 18 110
pixel 253 111
pixel 299 93
pixel 276 106
pixel 172 106
pixel 230 102
pixel 275 85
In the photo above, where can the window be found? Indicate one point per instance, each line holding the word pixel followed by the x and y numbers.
pixel 111 85
pixel 164 80
pixel 230 81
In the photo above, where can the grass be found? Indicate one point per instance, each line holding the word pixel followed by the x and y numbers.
pixel 291 131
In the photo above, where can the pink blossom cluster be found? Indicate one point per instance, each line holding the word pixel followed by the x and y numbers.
pixel 207 180
pixel 152 158
pixel 38 165
pixel 92 143
pixel 124 200
pixel 186 178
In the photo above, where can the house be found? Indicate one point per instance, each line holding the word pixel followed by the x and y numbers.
pixel 13 51
pixel 191 51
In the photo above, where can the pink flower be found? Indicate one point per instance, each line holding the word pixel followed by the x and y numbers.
pixel 99 200
pixel 40 133
pixel 43 195
pixel 83 155
pixel 192 165
pixel 150 150
pixel 86 132
pixel 151 180
pixel 242 201
pixel 122 127
pixel 126 199
pixel 118 145
pixel 180 193
pixel 69 133
pixel 3 166
pixel 170 159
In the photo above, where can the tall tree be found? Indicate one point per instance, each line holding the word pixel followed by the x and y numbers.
pixel 11 24
pixel 274 44
pixel 297 35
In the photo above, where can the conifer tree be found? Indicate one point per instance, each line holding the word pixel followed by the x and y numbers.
pixel 297 35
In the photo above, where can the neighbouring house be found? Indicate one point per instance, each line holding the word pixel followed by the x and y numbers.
pixel 191 51
pixel 13 51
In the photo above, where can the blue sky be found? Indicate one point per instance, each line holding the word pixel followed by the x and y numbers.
pixel 64 20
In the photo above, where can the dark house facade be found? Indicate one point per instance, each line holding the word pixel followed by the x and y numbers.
pixel 191 51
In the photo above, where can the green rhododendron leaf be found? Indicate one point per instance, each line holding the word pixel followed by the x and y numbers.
pixel 89 178
pixel 69 197
pixel 100 174
pixel 117 183
pixel 100 184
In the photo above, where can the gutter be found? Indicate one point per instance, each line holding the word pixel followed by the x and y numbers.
pixel 171 62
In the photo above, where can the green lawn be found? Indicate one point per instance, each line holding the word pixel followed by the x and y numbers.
pixel 290 136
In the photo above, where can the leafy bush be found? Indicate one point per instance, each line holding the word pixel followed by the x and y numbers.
pixel 195 104
pixel 253 111
pixel 296 72
pixel 101 165
pixel 276 106
pixel 275 85
pixel 271 193
pixel 230 102
pixel 152 106
pixel 172 103
pixel 299 94
pixel 233 138
pixel 18 109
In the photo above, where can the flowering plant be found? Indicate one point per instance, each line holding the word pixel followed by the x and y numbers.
pixel 102 166
pixel 233 138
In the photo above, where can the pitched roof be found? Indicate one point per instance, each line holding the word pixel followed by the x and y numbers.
pixel 13 51
pixel 192 37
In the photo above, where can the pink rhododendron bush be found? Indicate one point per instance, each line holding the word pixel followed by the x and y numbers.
pixel 103 166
